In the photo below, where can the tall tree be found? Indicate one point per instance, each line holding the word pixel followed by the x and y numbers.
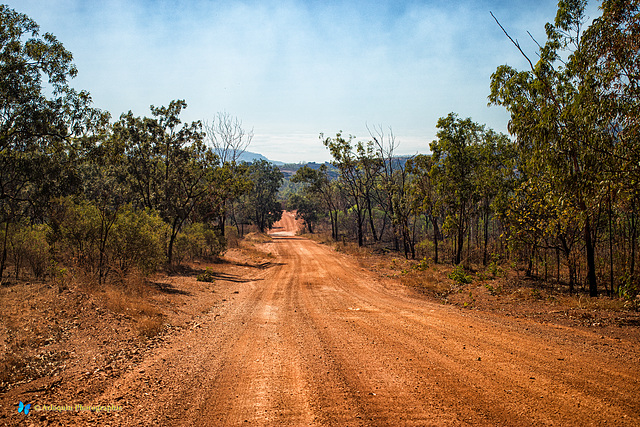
pixel 169 165
pixel 553 121
pixel 494 179
pixel 427 199
pixel 37 120
pixel 262 200
pixel 228 139
pixel 319 185
pixel 358 169
pixel 455 158
pixel 394 197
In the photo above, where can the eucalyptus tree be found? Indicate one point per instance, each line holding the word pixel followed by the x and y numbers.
pixel 554 121
pixel 39 114
pixel 391 189
pixel 455 159
pixel 345 160
pixel 228 139
pixel 392 185
pixel 426 197
pixel 495 179
pixel 610 62
pixel 262 201
pixel 169 166
pixel 359 169
pixel 318 184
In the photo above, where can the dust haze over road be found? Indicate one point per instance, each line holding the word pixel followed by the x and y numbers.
pixel 313 339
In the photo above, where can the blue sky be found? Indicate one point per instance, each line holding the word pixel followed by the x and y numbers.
pixel 293 69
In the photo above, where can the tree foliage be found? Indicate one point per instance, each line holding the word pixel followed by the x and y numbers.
pixel 108 197
pixel 262 200
pixel 574 108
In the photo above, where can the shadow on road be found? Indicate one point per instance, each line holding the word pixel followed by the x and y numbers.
pixel 168 288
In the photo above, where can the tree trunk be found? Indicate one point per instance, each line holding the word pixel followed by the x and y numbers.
pixel 632 244
pixel 333 216
pixel 360 221
pixel 436 236
pixel 4 249
pixel 373 229
pixel 528 272
pixel 591 261
pixel 221 224
pixel 610 247
pixel 557 265
pixel 458 257
pixel 172 238
pixel 486 239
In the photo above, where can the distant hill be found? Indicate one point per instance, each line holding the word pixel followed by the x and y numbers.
pixel 289 169
pixel 250 157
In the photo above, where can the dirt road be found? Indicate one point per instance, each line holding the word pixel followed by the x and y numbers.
pixel 315 340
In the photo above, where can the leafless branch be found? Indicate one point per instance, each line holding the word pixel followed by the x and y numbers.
pixel 515 42
pixel 227 137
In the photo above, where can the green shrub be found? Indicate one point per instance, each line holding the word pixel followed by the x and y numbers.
pixel 137 240
pixel 459 276
pixel 207 276
pixel 75 232
pixel 29 245
pixel 494 269
pixel 493 291
pixel 216 243
pixel 189 243
pixel 422 265
pixel 198 240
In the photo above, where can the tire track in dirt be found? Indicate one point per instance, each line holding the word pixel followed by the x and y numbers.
pixel 494 380
pixel 317 340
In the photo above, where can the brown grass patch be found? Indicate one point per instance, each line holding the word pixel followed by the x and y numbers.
pixel 428 281
pixel 150 326
pixel 322 238
pixel 131 298
pixel 256 237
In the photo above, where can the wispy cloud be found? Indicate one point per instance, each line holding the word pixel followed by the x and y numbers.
pixel 292 69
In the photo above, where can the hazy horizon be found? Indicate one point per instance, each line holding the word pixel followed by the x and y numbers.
pixel 294 69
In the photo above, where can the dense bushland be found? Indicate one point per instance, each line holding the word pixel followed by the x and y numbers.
pixel 110 198
pixel 558 199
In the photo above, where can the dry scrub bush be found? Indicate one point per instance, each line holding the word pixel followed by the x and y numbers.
pixel 137 241
pixel 98 241
pixel 29 248
pixel 149 327
pixel 130 298
pixel 231 236
pixel 429 281
pixel 198 241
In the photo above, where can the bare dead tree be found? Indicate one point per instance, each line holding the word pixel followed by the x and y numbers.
pixel 227 137
pixel 394 200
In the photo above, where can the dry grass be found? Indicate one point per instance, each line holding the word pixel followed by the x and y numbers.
pixel 130 298
pixel 430 282
pixel 322 238
pixel 255 246
pixel 255 237
pixel 29 324
pixel 232 238
pixel 149 326
pixel 600 303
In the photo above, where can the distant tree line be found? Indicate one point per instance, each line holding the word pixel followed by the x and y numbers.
pixel 78 191
pixel 560 200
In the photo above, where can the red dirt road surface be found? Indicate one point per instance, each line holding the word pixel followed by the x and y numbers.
pixel 313 339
